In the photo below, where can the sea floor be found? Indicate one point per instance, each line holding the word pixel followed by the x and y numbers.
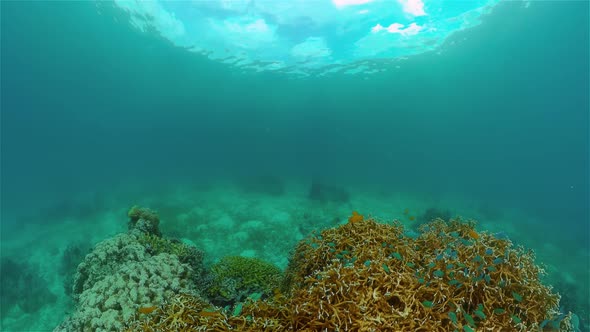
pixel 241 219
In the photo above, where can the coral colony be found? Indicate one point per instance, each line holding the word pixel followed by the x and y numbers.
pixel 364 275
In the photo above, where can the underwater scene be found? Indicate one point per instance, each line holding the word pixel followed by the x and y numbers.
pixel 325 165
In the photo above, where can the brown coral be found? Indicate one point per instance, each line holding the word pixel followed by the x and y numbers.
pixel 370 276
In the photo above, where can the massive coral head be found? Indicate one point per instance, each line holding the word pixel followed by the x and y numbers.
pixel 144 219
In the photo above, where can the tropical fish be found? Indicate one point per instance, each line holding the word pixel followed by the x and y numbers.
pixel 205 313
pixel 355 217
pixel 147 310
pixel 501 236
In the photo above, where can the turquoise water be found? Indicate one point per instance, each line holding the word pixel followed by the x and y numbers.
pixel 97 117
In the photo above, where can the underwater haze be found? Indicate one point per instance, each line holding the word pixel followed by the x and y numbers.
pixel 246 143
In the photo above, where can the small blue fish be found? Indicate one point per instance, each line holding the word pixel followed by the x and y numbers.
pixel 501 236
pixel 498 260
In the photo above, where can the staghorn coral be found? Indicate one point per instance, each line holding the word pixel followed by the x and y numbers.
pixel 489 279
pixel 183 312
pixel 430 215
pixel 186 312
pixel 369 276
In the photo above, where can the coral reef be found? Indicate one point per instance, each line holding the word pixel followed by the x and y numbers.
pixel 369 276
pixel 105 259
pixel 234 278
pixel 156 245
pixel 118 276
pixel 450 277
pixel 186 254
pixel 192 313
pixel 144 220
pixel 571 300
pixel 123 273
pixel 431 214
pixel 114 299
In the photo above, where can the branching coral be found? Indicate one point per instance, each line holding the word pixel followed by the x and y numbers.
pixel 187 312
pixel 370 276
pixel 177 314
pixel 487 279
pixel 432 214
